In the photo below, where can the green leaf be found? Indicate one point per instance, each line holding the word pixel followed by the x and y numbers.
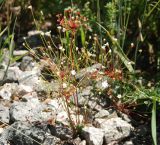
pixel 82 36
pixel 153 123
pixel 68 42
pixel 16 58
pixel 11 46
pixel 155 6
pixel 1 1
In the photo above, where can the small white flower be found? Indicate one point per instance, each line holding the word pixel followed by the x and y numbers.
pixel 62 62
pixel 42 33
pixel 41 12
pixel 49 47
pixel 95 35
pixel 77 48
pixel 59 27
pixel 94 38
pixel 30 7
pixel 105 84
pixel 48 33
pixel 72 18
pixel 107 44
pixel 64 30
pixel 64 85
pixel 103 67
pixel 99 93
pixel 119 96
pixel 117 71
pixel 110 51
pixel 61 48
pixel 140 50
pixel 73 72
pixel 146 102
pixel 149 84
pixel 132 45
pixel 139 81
pixel 24 38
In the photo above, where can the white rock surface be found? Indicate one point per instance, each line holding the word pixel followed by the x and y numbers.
pixel 56 104
pixel 102 114
pixel 7 90
pixel 30 78
pixel 4 114
pixel 62 117
pixel 93 136
pixel 115 129
pixel 30 111
pixel 13 73
pixel 83 142
pixel 1 130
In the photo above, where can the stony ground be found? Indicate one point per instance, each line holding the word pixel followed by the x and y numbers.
pixel 33 113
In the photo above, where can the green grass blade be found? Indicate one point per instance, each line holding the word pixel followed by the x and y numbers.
pixel 68 43
pixel 1 33
pixel 155 6
pixel 1 1
pixel 153 123
pixel 82 36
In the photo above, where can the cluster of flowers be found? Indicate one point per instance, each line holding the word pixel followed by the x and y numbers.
pixel 72 20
